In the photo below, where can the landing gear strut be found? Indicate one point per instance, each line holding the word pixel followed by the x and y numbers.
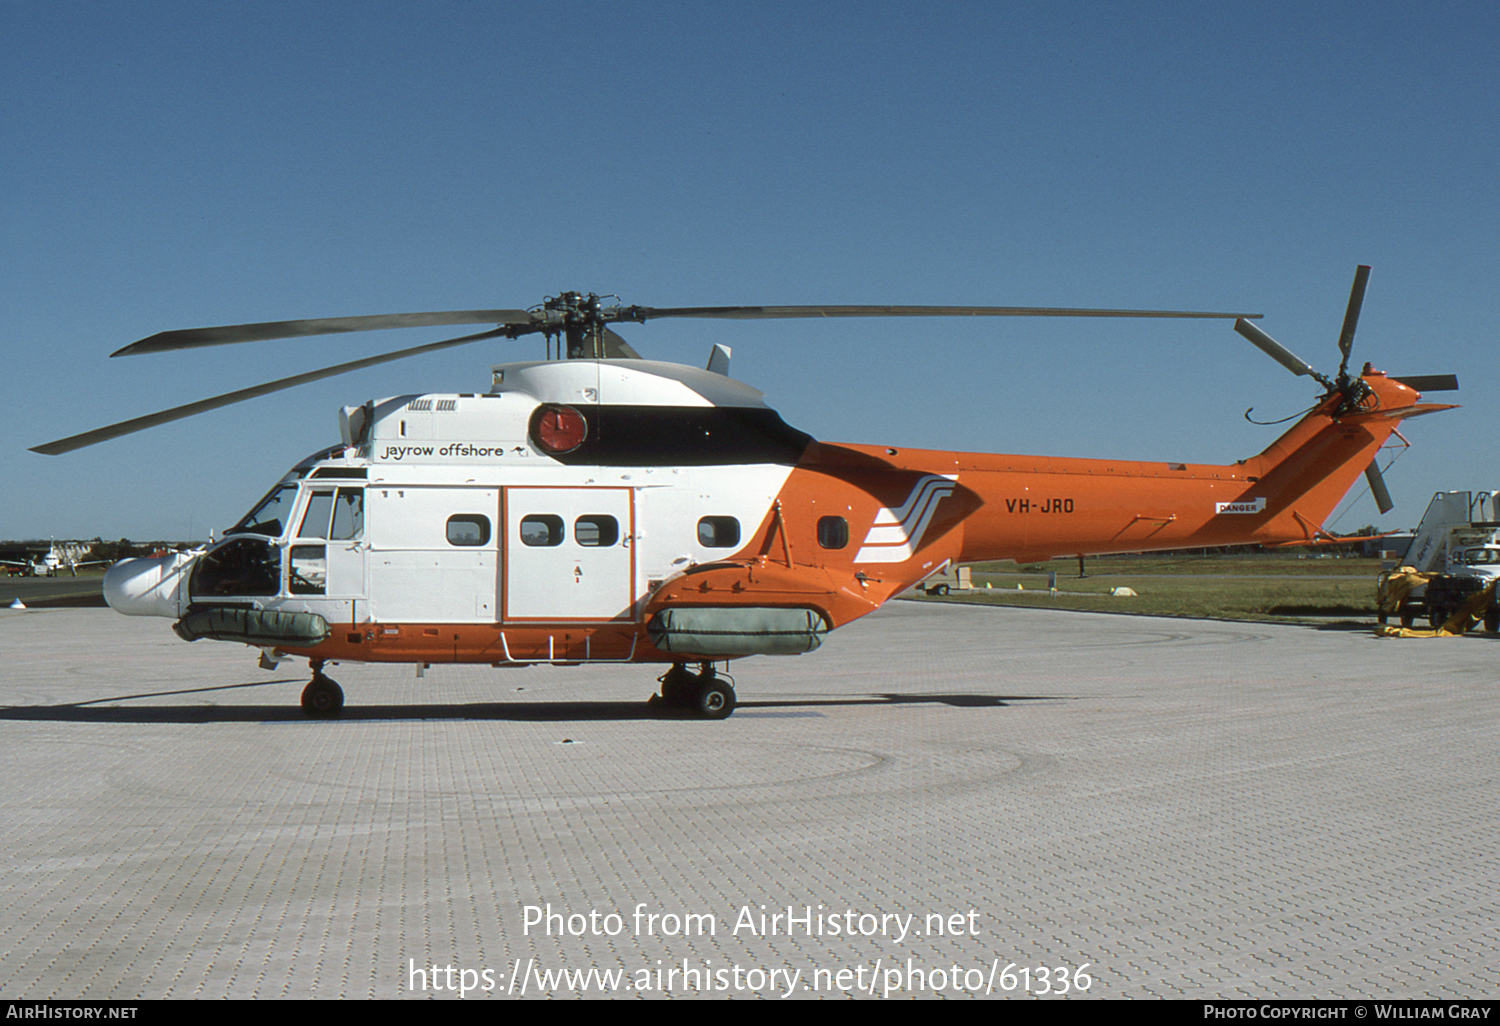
pixel 322 698
pixel 704 692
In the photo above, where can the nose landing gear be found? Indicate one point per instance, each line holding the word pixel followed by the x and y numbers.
pixel 322 699
pixel 705 692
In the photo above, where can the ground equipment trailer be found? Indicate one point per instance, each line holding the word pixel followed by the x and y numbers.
pixel 1454 555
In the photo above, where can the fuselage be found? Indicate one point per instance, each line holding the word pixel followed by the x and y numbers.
pixel 599 510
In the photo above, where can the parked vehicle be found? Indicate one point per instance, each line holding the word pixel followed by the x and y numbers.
pixel 1454 555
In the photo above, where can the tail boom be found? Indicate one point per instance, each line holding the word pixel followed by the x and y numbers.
pixel 1031 509
pixel 853 525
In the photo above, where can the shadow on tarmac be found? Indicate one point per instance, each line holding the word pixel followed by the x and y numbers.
pixel 96 711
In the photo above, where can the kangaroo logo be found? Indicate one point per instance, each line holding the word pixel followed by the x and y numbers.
pixel 897 533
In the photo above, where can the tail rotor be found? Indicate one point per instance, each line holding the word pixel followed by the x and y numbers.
pixel 1356 394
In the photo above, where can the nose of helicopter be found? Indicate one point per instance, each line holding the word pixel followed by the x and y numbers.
pixel 147 587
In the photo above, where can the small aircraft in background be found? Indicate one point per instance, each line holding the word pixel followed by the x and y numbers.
pixel 602 508
pixel 58 557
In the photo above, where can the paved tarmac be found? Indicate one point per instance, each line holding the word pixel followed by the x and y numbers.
pixel 1119 806
pixel 85 589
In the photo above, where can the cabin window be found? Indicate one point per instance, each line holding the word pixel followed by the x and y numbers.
pixel 541 529
pixel 468 529
pixel 718 532
pixel 596 529
pixel 307 573
pixel 833 532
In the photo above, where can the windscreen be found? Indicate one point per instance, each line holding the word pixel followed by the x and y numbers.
pixel 270 515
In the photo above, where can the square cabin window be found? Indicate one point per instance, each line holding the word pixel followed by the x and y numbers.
pixel 718 532
pixel 542 529
pixel 308 573
pixel 833 532
pixel 468 529
pixel 596 529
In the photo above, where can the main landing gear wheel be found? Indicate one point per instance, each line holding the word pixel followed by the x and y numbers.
pixel 715 699
pixel 678 687
pixel 704 692
pixel 322 699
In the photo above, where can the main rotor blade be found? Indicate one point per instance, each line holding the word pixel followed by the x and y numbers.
pixel 1378 489
pixel 1351 315
pixel 127 427
pixel 522 321
pixel 771 312
pixel 1276 351
pixel 192 338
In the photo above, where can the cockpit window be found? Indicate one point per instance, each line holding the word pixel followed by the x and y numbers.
pixel 315 520
pixel 240 566
pixel 348 514
pixel 346 507
pixel 270 515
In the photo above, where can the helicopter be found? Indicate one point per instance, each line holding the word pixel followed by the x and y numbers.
pixel 598 507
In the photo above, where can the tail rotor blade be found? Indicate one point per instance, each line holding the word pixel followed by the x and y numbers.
pixel 1378 489
pixel 1351 315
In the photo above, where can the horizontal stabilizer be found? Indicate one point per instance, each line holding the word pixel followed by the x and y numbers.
pixel 1400 413
pixel 1430 382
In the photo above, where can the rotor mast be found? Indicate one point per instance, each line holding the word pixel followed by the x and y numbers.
pixel 579 319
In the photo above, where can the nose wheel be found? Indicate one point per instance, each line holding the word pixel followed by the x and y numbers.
pixel 704 693
pixel 322 699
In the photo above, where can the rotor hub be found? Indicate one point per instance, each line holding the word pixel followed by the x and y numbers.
pixel 579 318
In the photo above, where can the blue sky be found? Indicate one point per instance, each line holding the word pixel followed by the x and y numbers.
pixel 172 165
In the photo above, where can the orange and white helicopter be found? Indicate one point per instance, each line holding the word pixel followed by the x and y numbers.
pixel 600 508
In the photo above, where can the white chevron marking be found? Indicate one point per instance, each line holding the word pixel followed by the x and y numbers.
pixel 897 533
